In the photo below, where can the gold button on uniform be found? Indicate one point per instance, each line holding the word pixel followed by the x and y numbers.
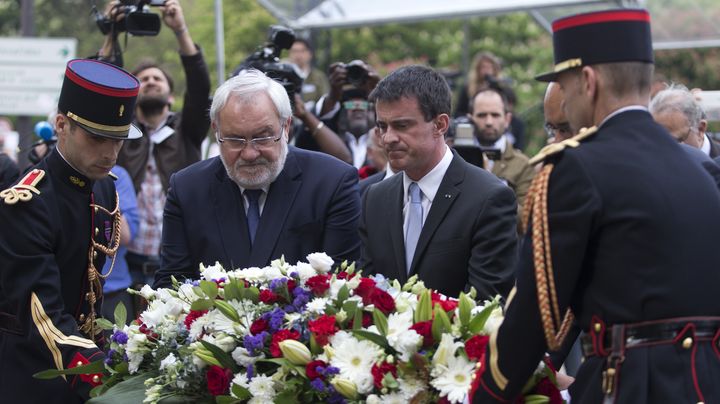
pixel 687 343
pixel 78 363
pixel 97 230
pixel 82 317
pixel 96 379
pixel 598 327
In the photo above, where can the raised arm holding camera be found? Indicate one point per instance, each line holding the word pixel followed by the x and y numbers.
pixel 171 141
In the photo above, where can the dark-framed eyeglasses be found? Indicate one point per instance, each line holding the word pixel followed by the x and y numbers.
pixel 258 143
pixel 562 129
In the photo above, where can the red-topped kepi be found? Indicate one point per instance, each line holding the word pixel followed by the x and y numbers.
pixel 100 98
pixel 600 37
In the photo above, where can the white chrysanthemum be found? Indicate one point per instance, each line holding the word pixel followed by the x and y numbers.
pixel 317 305
pixel 321 262
pixel 411 386
pixel 262 386
pixel 454 380
pixel 198 326
pixel 446 350
pixel 304 270
pixel 393 398
pixel 241 380
pixel 218 322
pixel 213 272
pixel 406 343
pixel 135 349
pixel 373 399
pixel 169 361
pixel 355 359
pixel 242 357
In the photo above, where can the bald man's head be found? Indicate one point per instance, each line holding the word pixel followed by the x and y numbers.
pixel 556 123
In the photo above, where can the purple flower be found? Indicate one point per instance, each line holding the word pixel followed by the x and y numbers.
pixel 119 337
pixel 275 319
pixel 250 372
pixel 335 397
pixel 275 284
pixel 255 343
pixel 294 275
pixel 318 385
pixel 328 371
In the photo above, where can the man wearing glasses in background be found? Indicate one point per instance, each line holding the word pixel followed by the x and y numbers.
pixel 556 123
pixel 260 198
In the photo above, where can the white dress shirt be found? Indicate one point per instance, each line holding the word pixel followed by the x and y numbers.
pixel 428 184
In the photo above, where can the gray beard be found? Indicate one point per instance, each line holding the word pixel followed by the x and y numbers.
pixel 265 174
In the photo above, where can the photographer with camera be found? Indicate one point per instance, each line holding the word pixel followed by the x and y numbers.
pixel 171 141
pixel 345 109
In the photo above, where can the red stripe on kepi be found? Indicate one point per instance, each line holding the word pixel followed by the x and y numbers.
pixel 112 92
pixel 600 17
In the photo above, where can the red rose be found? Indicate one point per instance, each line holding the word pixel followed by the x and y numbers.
pixel 345 275
pixel 546 388
pixel 424 328
pixel 218 380
pixel 323 327
pixel 279 337
pixel 318 284
pixel 268 297
pixel 291 285
pixel 475 346
pixel 382 301
pixel 443 400
pixel 258 326
pixel 192 316
pixel 446 303
pixel 365 289
pixel 379 372
pixel 311 369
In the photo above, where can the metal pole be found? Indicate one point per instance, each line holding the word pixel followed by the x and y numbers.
pixel 24 124
pixel 219 42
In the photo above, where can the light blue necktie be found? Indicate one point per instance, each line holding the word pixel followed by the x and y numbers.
pixel 414 223
pixel 253 212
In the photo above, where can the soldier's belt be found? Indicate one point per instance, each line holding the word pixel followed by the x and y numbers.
pixel 9 323
pixel 684 331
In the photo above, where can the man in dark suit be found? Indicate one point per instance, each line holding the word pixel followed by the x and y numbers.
pixel 260 199
pixel 451 223
pixel 612 244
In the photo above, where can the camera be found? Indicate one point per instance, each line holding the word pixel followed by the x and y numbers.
pixel 357 74
pixel 267 60
pixel 137 19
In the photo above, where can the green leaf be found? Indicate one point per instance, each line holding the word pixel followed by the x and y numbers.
pixel 349 307
pixel 178 399
pixel 343 294
pixel 120 314
pixel 201 304
pixel 210 288
pixel 240 392
pixel 226 400
pixel 478 322
pixel 251 293
pixel 536 399
pixel 423 311
pixel 232 292
pixel 315 349
pixel 103 323
pixel 223 357
pixel 380 321
pixel 90 368
pixel 131 390
pixel 288 396
pixel 375 338
pixel 465 306
pixel 227 310
pixel 357 320
pixel 438 328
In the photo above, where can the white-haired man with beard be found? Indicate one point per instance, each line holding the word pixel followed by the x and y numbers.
pixel 260 199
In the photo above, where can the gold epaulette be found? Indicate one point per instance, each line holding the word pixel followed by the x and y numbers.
pixel 23 190
pixel 113 176
pixel 558 147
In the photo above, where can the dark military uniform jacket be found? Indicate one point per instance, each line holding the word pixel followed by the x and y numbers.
pixel 633 234
pixel 44 253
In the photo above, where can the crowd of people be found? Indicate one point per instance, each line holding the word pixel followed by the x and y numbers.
pixel 591 243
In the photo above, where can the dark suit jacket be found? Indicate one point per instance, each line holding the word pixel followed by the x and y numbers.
pixel 371 180
pixel 468 239
pixel 312 206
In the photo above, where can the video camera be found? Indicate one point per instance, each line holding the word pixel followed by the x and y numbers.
pixel 357 74
pixel 137 21
pixel 267 60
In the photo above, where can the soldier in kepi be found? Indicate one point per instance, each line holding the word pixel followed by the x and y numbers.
pixel 611 243
pixel 59 224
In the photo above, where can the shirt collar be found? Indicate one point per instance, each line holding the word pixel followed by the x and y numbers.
pixel 621 110
pixel 706 144
pixel 430 183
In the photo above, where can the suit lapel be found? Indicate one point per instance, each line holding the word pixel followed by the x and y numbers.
pixel 231 220
pixel 444 199
pixel 395 225
pixel 278 203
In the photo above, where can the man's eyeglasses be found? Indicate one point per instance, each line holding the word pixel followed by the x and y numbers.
pixel 350 105
pixel 683 138
pixel 561 128
pixel 239 143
